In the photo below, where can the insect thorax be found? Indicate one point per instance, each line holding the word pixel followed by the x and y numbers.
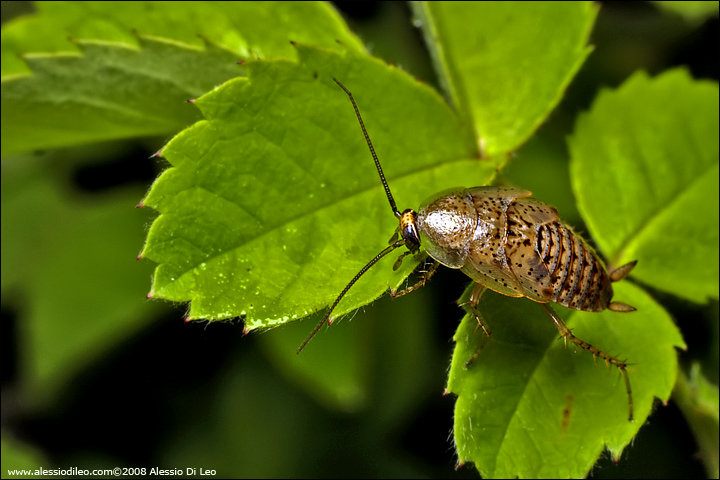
pixel 447 224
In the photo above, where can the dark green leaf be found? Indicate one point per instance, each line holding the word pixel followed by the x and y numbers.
pixel 246 29
pixel 111 91
pixel 352 365
pixel 16 456
pixel 694 12
pixel 699 401
pixel 131 66
pixel 80 300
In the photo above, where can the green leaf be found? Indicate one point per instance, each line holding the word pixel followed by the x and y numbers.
pixel 77 300
pixel 334 371
pixel 541 166
pixel 118 83
pixel 645 173
pixel 528 407
pixel 366 366
pixel 694 12
pixel 111 91
pixel 505 89
pixel 246 29
pixel 699 401
pixel 273 203
pixel 17 456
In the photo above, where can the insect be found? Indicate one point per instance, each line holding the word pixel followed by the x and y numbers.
pixel 507 242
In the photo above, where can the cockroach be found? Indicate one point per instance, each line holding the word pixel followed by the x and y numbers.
pixel 507 242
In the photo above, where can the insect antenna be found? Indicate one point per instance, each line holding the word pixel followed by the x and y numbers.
pixel 396 244
pixel 372 150
pixel 372 262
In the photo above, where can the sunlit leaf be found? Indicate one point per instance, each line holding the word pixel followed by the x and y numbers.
pixel 645 173
pixel 273 203
pixel 528 407
pixel 505 89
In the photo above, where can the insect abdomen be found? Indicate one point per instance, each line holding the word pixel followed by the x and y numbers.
pixel 551 262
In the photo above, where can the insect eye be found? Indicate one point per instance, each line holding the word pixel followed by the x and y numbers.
pixel 408 223
pixel 410 234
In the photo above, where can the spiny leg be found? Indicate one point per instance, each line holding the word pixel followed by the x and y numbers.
pixel 567 335
pixel 425 276
pixel 472 304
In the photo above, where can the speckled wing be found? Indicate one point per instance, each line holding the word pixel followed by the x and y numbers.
pixel 487 261
pixel 533 254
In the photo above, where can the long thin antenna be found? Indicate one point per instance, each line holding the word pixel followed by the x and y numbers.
pixel 372 150
pixel 372 262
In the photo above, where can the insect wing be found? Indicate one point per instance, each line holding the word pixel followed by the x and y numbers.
pixel 487 261
pixel 533 249
pixel 494 277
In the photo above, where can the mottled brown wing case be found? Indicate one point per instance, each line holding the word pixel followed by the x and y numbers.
pixel 486 261
pixel 551 262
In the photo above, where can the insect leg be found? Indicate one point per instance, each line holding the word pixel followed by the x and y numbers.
pixel 473 303
pixel 567 335
pixel 426 274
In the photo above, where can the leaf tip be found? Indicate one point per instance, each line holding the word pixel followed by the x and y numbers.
pixel 149 296
pixel 187 320
pixel 293 43
pixel 446 392
pixel 140 205
pixel 191 100
pixel 246 330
